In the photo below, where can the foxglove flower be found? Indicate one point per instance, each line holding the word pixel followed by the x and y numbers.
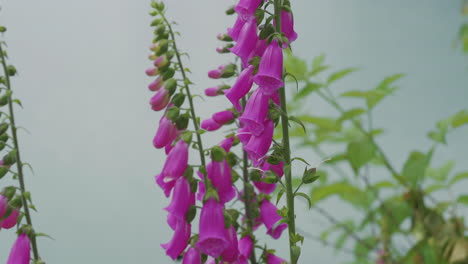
pixel 270 71
pixel 182 199
pixel 167 132
pixel 192 257
pixel 244 135
pixel 220 175
pixel 161 61
pixel 3 205
pixel 269 187
pixel 231 253
pixel 241 87
pixel 160 100
pixel 179 241
pixel 212 240
pixel 152 71
pixel 258 146
pixel 156 84
pixel 226 144
pixel 212 91
pixel 270 217
pixel 255 112
pixel 246 8
pixel 223 117
pixel 174 167
pixel 287 26
pixel 11 220
pixel 236 29
pixel 210 125
pixel 246 42
pixel 21 251
pixel 245 246
pixel 272 259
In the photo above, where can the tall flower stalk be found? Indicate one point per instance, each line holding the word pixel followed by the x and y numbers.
pixel 12 215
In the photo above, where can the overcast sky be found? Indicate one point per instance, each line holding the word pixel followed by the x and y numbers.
pixel 81 80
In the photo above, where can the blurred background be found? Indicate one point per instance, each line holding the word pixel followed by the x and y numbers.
pixel 82 83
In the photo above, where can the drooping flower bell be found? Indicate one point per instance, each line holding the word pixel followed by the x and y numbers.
pixel 223 71
pixel 246 8
pixel 244 135
pixel 174 167
pixel 156 84
pixel 236 28
pixel 152 71
pixel 182 199
pixel 192 256
pixel 220 175
pixel 21 251
pixel 11 220
pixel 287 26
pixel 272 259
pixel 212 240
pixel 223 117
pixel 210 125
pixel 226 144
pixel 255 112
pixel 246 42
pixel 265 187
pixel 160 100
pixel 179 240
pixel 270 71
pixel 246 246
pixel 231 253
pixel 215 91
pixel 241 87
pixel 258 146
pixel 270 217
pixel 166 133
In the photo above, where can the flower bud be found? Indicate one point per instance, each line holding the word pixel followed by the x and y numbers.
pixel 182 122
pixel 3 128
pixel 168 73
pixel 218 154
pixel 178 99
pixel 230 11
pixel 224 37
pixel 171 86
pixel 152 71
pixel 156 84
pixel 10 158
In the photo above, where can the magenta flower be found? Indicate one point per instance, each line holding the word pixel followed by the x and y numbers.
pixel 160 100
pixel 152 71
pixel 272 259
pixel 269 187
pixel 246 42
pixel 212 91
pixel 210 260
pixel 255 112
pixel 226 144
pixel 241 87
pixel 11 220
pixel 212 240
pixel 167 132
pixel 244 135
pixel 216 74
pixel 287 26
pixel 245 246
pixel 179 240
pixel 156 84
pixel 161 61
pixel 231 253
pixel 223 117
pixel 174 167
pixel 3 205
pixel 246 8
pixel 270 71
pixel 21 251
pixel 236 29
pixel 220 175
pixel 258 146
pixel 182 199
pixel 270 216
pixel 192 257
pixel 210 125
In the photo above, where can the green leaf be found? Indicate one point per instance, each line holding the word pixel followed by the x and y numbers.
pixel 322 122
pixel 344 190
pixel 305 196
pixel 307 89
pixel 415 167
pixel 340 74
pixel 463 199
pixel 295 253
pixel 298 121
pixel 389 80
pixel 440 174
pixel 460 118
pixel 458 177
pixel 295 66
pixel 360 152
pixel 318 61
pixel 350 114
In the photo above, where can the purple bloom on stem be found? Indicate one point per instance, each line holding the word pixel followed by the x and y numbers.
pixel 246 42
pixel 270 217
pixel 245 250
pixel 152 71
pixel 270 71
pixel 11 220
pixel 21 251
pixel 179 240
pixel 212 240
pixel 156 84
pixel 255 112
pixel 258 146
pixel 236 29
pixel 212 91
pixel 272 259
pixel 216 74
pixel 231 253
pixel 210 125
pixel 220 175
pixel 244 135
pixel 287 26
pixel 167 132
pixel 269 187
pixel 174 167
pixel 226 144
pixel 161 61
pixel 246 8
pixel 241 87
pixel 192 257
pixel 223 117
pixel 160 100
pixel 182 199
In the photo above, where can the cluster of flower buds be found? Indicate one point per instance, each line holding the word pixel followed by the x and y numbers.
pixel 224 235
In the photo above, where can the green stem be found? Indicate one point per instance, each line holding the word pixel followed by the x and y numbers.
pixel 19 164
pixel 189 95
pixel 247 195
pixel 286 151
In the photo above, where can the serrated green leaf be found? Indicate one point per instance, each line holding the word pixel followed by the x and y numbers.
pixel 340 74
pixel 415 167
pixel 360 152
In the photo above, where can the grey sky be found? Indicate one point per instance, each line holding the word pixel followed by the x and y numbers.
pixel 81 80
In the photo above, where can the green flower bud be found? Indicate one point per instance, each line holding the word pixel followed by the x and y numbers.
pixel 182 122
pixel 172 113
pixel 230 11
pixel 10 158
pixel 11 70
pixel 3 171
pixel 218 153
pixel 4 137
pixel 310 175
pixel 171 86
pixel 3 128
pixel 168 73
pixel 178 99
pixel 9 192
